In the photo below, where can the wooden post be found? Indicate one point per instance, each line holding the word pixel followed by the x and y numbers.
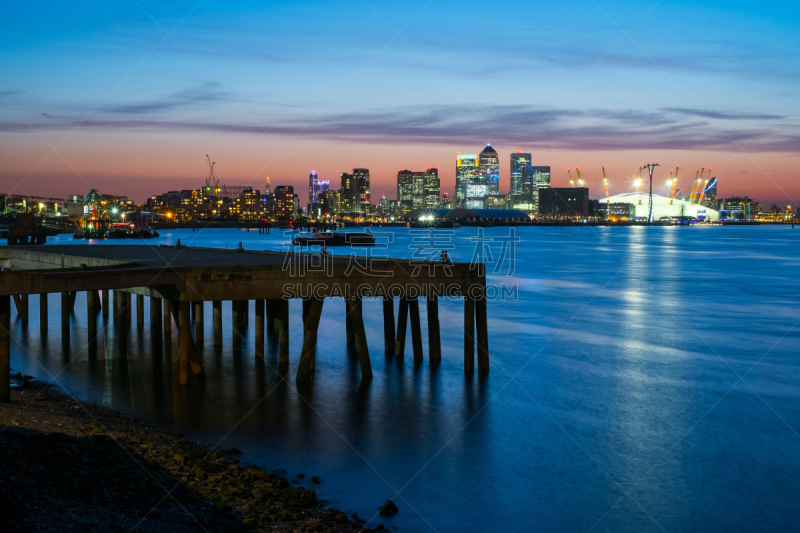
pixel 167 317
pixel 184 342
pixel 469 334
pixel 5 349
pixel 361 338
pixel 402 324
pixel 348 322
pixel 65 316
pixel 199 321
pixel 43 311
pixel 259 328
pixel 155 317
pixel 140 310
pixel 388 325
pixel 434 337
pixel 105 303
pixel 237 319
pixel 217 319
pixel 270 317
pixel 282 321
pixel 416 331
pixel 91 315
pixel 483 333
pixel 310 328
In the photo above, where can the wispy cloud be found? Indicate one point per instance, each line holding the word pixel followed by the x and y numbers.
pixel 723 115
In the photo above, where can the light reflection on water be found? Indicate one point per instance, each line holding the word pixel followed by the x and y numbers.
pixel 621 343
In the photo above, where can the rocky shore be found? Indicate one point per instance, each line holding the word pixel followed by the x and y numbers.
pixel 66 466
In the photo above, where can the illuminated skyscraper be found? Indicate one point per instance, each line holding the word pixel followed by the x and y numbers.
pixel 710 199
pixel 534 179
pixel 468 178
pixel 489 163
pixel 355 195
pixel 267 190
pixel 519 161
pixel 418 190
pixel 312 187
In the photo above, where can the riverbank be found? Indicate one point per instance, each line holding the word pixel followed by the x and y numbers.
pixel 70 466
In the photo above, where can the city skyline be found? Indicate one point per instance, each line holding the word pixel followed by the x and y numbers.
pixel 128 99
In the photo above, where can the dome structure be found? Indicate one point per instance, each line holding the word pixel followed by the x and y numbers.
pixel 662 207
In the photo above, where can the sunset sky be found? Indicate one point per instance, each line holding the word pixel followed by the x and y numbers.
pixel 128 97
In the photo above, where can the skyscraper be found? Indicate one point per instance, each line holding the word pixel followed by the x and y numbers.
pixel 519 161
pixel 489 163
pixel 418 190
pixel 468 178
pixel 355 196
pixel 312 187
pixel 710 199
pixel 534 179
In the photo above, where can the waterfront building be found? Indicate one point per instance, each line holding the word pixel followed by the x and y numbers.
pixel 564 203
pixel 740 208
pixel 519 161
pixel 489 164
pixel 468 178
pixel 329 202
pixel 710 198
pixel 417 190
pixel 355 195
pixel 534 179
pixel 283 206
pixel 662 208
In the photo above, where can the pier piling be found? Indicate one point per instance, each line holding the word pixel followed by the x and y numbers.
pixel 217 319
pixel 140 311
pixel 483 333
pixel 361 337
pixel 5 352
pixel 416 330
pixel 105 303
pixel 434 336
pixel 388 325
pixel 91 316
pixel 402 325
pixel 313 311
pixel 237 318
pixel 259 328
pixel 167 317
pixel 199 321
pixel 43 312
pixel 65 316
pixel 282 323
pixel 469 334
pixel 185 339
pixel 155 317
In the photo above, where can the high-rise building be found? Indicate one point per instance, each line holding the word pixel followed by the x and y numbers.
pixel 519 161
pixel 418 190
pixel 284 201
pixel 312 187
pixel 710 199
pixel 468 178
pixel 534 179
pixel 267 190
pixel 355 195
pixel 489 163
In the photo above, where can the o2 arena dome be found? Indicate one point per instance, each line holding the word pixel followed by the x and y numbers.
pixel 662 207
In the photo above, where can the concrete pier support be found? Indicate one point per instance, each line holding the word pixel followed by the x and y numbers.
pixel 402 325
pixel 434 336
pixel 469 334
pixel 416 330
pixel 348 322
pixel 388 325
pixel 312 312
pixel 5 349
pixel 483 333
pixel 259 328
pixel 105 303
pixel 167 317
pixel 21 303
pixel 270 317
pixel 237 318
pixel 361 338
pixel 119 302
pixel 217 319
pixel 128 306
pixel 199 321
pixel 65 316
pixel 184 342
pixel 43 312
pixel 139 311
pixel 282 324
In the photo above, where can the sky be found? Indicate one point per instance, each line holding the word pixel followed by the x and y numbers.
pixel 128 97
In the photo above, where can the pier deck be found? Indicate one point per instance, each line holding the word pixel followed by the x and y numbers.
pixel 182 278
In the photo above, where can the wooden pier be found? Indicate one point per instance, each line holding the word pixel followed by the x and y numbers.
pixel 180 279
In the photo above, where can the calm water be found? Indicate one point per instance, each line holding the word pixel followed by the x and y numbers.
pixel 645 379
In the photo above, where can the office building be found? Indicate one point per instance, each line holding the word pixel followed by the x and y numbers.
pixel 418 190
pixel 710 198
pixel 355 195
pixel 564 203
pixel 283 199
pixel 519 161
pixel 489 164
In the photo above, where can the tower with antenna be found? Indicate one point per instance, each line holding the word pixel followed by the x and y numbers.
pixel 212 183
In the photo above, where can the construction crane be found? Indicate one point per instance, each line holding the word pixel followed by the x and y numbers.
pixel 694 186
pixel 705 186
pixel 212 183
pixel 608 201
pixel 580 181
pixel 674 184
pixel 571 183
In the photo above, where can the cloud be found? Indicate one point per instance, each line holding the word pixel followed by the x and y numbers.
pixel 46 115
pixel 516 125
pixel 207 92
pixel 722 115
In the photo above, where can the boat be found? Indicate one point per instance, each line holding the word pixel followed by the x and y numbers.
pixel 119 231
pixel 143 232
pixel 334 239
pixel 79 234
